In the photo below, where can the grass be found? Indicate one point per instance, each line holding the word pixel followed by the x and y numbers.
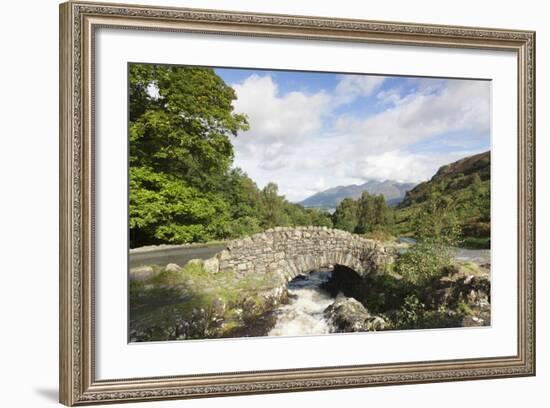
pixel 379 235
pixel 192 296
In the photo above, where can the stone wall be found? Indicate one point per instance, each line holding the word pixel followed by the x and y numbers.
pixel 290 252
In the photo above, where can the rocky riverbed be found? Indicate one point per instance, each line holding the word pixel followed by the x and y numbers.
pixel 198 301
pixel 174 303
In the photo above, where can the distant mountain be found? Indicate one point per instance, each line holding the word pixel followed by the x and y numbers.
pixel 392 191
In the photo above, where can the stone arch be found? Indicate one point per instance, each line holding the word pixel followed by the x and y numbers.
pixel 346 281
pixel 290 252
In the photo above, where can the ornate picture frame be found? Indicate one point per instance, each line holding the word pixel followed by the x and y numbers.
pixel 78 24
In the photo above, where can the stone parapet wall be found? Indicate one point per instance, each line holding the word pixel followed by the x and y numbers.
pixel 290 252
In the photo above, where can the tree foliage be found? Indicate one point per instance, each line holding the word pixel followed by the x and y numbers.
pixel 367 214
pixel 183 186
pixel 163 209
pixel 345 216
pixel 181 121
pixel 436 230
pixel 467 184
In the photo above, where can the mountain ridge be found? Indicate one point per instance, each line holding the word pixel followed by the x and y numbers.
pixel 451 178
pixel 465 187
pixel 393 191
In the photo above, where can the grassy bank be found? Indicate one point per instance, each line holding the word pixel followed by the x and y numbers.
pixel 190 303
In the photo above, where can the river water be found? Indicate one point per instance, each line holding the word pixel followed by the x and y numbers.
pixel 303 315
pixel 479 256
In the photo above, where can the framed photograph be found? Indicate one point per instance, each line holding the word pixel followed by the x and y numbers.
pixel 256 203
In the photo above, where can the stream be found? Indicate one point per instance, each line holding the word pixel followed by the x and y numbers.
pixel 303 315
pixel 479 256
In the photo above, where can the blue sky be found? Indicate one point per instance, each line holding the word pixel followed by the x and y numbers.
pixel 312 131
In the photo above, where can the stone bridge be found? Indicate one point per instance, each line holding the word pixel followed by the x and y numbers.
pixel 290 252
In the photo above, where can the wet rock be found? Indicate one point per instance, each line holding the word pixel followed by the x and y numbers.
pixel 473 321
pixel 348 315
pixel 172 267
pixel 141 273
pixel 211 265
pixel 469 285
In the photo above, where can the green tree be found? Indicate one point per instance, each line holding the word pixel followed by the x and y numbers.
pixel 381 212
pixel 319 218
pixel 436 231
pixel 296 214
pixel 345 216
pixel 274 207
pixel 163 209
pixel 365 213
pixel 245 203
pixel 181 121
pixel 185 130
pixel 182 184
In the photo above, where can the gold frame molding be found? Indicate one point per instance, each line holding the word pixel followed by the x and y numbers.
pixel 78 22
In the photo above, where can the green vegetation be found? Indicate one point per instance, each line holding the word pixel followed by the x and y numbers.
pixel 424 287
pixel 183 186
pixel 447 299
pixel 436 230
pixel 443 300
pixel 461 190
pixel 368 214
pixel 194 304
pixel 465 187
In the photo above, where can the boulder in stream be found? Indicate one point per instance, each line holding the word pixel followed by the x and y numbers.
pixel 349 315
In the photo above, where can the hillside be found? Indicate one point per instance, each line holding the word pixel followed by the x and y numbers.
pixel 466 186
pixel 392 191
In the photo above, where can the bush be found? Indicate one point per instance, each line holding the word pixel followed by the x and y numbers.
pixel 436 231
pixel 411 313
pixel 477 229
pixel 422 262
pixel 244 226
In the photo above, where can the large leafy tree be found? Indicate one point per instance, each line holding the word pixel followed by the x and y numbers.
pixel 373 213
pixel 182 184
pixel 365 213
pixel 245 204
pixel 163 209
pixel 181 121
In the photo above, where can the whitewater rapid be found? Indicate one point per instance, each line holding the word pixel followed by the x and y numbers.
pixel 303 315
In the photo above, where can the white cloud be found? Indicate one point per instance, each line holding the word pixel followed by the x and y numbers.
pixel 351 87
pixel 277 122
pixel 390 96
pixel 276 118
pixel 298 141
pixel 461 105
pixel 401 166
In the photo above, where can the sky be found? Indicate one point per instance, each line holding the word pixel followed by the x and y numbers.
pixel 313 131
